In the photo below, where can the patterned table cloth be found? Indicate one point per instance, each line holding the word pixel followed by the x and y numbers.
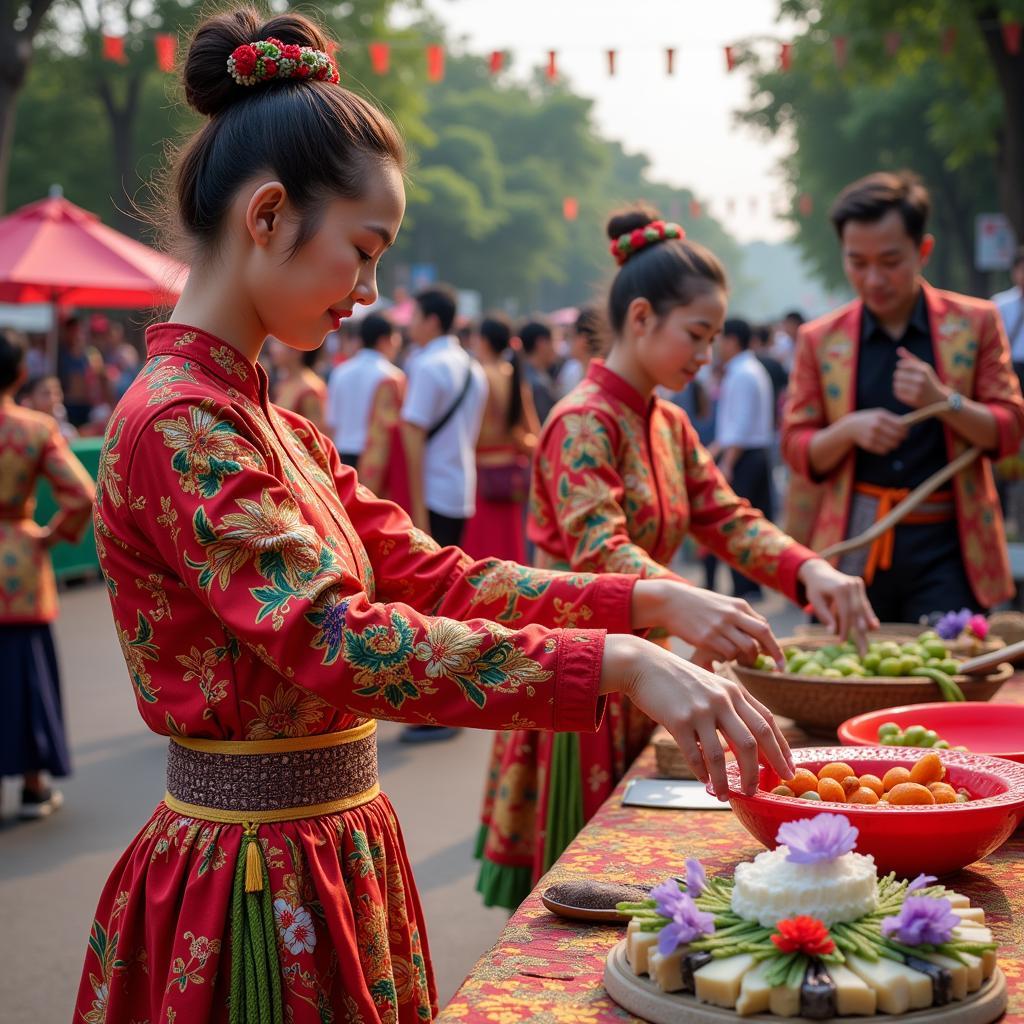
pixel 546 970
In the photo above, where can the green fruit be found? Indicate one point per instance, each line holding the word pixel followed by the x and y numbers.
pixel 764 663
pixel 888 729
pixel 889 649
pixel 941 745
pixel 928 634
pixel 848 648
pixel 830 653
pixel 847 665
pixel 811 668
pixel 809 795
pixel 950 667
pixel 889 740
pixel 911 663
pixel 798 661
pixel 792 652
pixel 914 735
pixel 891 666
pixel 915 649
pixel 931 737
pixel 831 673
pixel 871 663
pixel 936 649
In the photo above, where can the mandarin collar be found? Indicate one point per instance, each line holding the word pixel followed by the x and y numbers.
pixel 918 319
pixel 214 354
pixel 618 387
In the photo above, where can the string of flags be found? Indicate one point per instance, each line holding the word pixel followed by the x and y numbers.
pixel 730 207
pixel 165 47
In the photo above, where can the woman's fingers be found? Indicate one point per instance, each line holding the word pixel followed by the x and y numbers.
pixel 757 626
pixel 745 646
pixel 767 734
pixel 714 756
pixel 687 743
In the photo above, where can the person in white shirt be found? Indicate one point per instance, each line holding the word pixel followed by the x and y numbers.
pixel 1011 309
pixel 441 417
pixel 744 428
pixel 784 343
pixel 364 396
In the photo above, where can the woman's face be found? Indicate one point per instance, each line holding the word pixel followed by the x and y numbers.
pixel 300 298
pixel 672 349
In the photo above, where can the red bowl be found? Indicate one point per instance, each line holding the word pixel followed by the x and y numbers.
pixel 937 840
pixel 993 729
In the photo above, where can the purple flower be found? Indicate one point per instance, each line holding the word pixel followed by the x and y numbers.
pixel 952 624
pixel 921 882
pixel 816 840
pixel 686 922
pixel 696 879
pixel 922 920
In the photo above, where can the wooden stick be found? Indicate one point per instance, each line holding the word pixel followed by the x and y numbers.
pixel 926 412
pixel 905 507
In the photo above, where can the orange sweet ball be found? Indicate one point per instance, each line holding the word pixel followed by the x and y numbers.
pixel 928 769
pixel 829 789
pixel 835 770
pixel 942 792
pixel 863 795
pixel 894 776
pixel 872 782
pixel 907 793
pixel 850 784
pixel 803 782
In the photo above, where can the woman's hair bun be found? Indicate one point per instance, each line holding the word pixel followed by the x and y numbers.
pixel 637 216
pixel 208 86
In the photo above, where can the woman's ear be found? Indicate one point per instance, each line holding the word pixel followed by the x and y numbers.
pixel 263 212
pixel 639 317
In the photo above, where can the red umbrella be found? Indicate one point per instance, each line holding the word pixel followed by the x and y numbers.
pixel 54 251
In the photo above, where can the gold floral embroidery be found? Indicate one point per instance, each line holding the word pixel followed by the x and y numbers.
pixel 154 586
pixel 227 359
pixel 290 712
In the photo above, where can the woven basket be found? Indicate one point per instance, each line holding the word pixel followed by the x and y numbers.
pixel 821 705
pixel 810 635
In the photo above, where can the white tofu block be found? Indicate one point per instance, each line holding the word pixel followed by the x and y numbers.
pixel 975 974
pixel 897 987
pixel 719 982
pixel 853 995
pixel 970 914
pixel 957 899
pixel 639 946
pixel 785 1001
pixel 969 931
pixel 755 992
pixel 955 968
pixel 666 971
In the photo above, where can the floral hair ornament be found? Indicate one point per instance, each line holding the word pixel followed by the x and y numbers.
pixel 633 241
pixel 271 60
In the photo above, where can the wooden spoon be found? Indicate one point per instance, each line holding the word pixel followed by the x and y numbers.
pixel 984 663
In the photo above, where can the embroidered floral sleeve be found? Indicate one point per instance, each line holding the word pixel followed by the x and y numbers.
pixel 72 488
pixel 997 386
pixel 577 466
pixel 739 534
pixel 305 602
pixel 380 432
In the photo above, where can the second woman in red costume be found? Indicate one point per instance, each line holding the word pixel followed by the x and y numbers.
pixel 619 480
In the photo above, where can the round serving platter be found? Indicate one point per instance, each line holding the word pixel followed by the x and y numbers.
pixel 641 997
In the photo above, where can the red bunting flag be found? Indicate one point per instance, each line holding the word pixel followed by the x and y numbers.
pixel 166 46
pixel 380 58
pixel 841 44
pixel 948 41
pixel 670 61
pixel 786 56
pixel 570 208
pixel 806 205
pixel 611 62
pixel 435 62
pixel 892 43
pixel 113 49
pixel 497 61
pixel 730 58
pixel 694 209
pixel 552 71
pixel 1011 38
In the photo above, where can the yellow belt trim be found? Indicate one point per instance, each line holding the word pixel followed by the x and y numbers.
pixel 265 817
pixel 285 746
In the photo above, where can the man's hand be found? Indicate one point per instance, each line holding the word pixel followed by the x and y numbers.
pixel 875 430
pixel 915 382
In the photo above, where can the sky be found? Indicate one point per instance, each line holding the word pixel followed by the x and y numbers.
pixel 684 123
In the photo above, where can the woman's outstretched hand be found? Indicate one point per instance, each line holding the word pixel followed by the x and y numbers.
pixel 695 706
pixel 720 628
pixel 839 601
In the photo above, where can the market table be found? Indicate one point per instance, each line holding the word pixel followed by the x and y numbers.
pixel 546 970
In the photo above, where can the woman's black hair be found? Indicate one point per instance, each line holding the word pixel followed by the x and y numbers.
pixel 319 140
pixel 590 324
pixel 497 333
pixel 12 356
pixel 668 274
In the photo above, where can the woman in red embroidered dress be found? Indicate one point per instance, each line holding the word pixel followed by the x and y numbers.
pixel 619 480
pixel 263 596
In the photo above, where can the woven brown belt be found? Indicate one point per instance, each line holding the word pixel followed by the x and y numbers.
pixel 258 781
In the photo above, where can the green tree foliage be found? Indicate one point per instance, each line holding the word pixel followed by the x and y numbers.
pixel 933 105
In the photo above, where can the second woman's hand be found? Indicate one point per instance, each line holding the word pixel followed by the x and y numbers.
pixel 720 628
pixel 839 601
pixel 695 706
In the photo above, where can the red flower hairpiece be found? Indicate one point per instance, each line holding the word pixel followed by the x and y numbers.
pixel 270 59
pixel 633 241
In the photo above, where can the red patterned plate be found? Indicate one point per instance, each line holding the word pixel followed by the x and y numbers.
pixel 936 840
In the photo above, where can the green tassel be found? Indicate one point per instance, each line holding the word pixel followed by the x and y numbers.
pixel 565 797
pixel 256 991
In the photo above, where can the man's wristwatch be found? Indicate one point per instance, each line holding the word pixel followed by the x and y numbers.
pixel 955 401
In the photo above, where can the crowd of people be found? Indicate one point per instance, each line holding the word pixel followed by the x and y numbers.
pixel 452 524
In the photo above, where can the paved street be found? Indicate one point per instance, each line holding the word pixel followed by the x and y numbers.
pixel 51 872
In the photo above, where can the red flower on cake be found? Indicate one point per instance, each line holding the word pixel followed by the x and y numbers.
pixel 245 60
pixel 803 935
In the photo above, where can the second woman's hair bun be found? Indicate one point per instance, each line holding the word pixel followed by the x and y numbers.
pixel 209 88
pixel 637 216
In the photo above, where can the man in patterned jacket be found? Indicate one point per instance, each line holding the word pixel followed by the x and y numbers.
pixel 903 345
